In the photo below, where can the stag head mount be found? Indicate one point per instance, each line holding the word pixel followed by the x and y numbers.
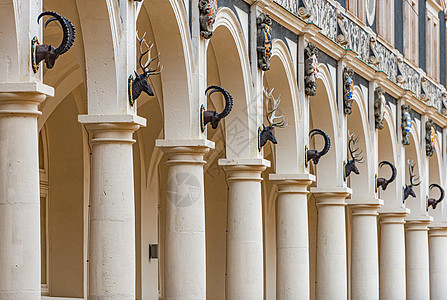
pixel 208 12
pixel 48 52
pixel 408 190
pixel 311 69
pixel 434 202
pixel 354 153
pixel 406 124
pixel 430 137
pixel 315 155
pixel 348 89
pixel 141 83
pixel 379 107
pixel 266 134
pixel 383 182
pixel 214 117
pixel 264 43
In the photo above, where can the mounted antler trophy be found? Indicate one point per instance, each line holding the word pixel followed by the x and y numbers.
pixel 383 182
pixel 140 83
pixel 354 152
pixel 408 190
pixel 212 116
pixel 315 155
pixel 267 132
pixel 433 202
pixel 48 52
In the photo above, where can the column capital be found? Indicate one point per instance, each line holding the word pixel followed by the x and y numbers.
pixel 418 223
pixel 395 216
pixel 292 183
pixel 437 230
pixel 189 151
pixel 364 207
pixel 331 195
pixel 244 168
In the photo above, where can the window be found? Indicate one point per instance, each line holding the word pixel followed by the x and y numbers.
pixel 411 26
pixel 357 8
pixel 385 20
pixel 432 45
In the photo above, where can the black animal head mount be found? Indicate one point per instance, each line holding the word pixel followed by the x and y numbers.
pixel 408 190
pixel 266 134
pixel 354 152
pixel 214 117
pixel 434 202
pixel 140 83
pixel 315 155
pixel 383 182
pixel 48 52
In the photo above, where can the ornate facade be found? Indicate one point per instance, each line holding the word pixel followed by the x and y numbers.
pixel 110 193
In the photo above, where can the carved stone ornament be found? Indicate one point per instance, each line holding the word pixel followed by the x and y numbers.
pixel 400 78
pixel 264 44
pixel 303 10
pixel 342 33
pixel 379 106
pixel 373 58
pixel 424 94
pixel 430 137
pixel 406 124
pixel 208 12
pixel 348 89
pixel 311 69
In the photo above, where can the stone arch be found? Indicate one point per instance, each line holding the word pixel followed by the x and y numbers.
pixel 414 152
pixel 9 41
pixel 363 185
pixel 387 143
pixel 228 63
pixel 328 170
pixel 288 158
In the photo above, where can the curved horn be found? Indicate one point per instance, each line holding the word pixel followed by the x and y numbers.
pixel 66 27
pixel 393 169
pixel 327 140
pixel 440 189
pixel 227 96
pixel 71 36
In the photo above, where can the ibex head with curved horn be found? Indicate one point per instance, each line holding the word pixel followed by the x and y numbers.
pixel 315 155
pixel 354 152
pixel 214 117
pixel 434 202
pixel 267 132
pixel 48 52
pixel 383 182
pixel 140 83
pixel 408 190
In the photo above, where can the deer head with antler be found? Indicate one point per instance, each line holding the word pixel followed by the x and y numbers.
pixel 267 132
pixel 354 152
pixel 140 83
pixel 408 190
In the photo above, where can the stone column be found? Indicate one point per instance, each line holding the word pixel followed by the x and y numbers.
pixel 292 236
pixel 185 259
pixel 245 260
pixel 364 249
pixel 437 239
pixel 418 278
pixel 112 209
pixel 331 242
pixel 392 254
pixel 19 190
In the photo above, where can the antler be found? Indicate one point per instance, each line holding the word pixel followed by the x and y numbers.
pixel 145 67
pixel 271 114
pixel 353 140
pixel 67 27
pixel 413 176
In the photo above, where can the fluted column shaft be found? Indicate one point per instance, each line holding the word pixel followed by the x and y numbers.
pixel 185 248
pixel 437 239
pixel 20 268
pixel 392 254
pixel 245 259
pixel 417 261
pixel 364 249
pixel 292 236
pixel 112 210
pixel 331 243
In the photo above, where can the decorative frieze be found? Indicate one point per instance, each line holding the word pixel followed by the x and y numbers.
pixel 311 69
pixel 324 15
pixel 264 47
